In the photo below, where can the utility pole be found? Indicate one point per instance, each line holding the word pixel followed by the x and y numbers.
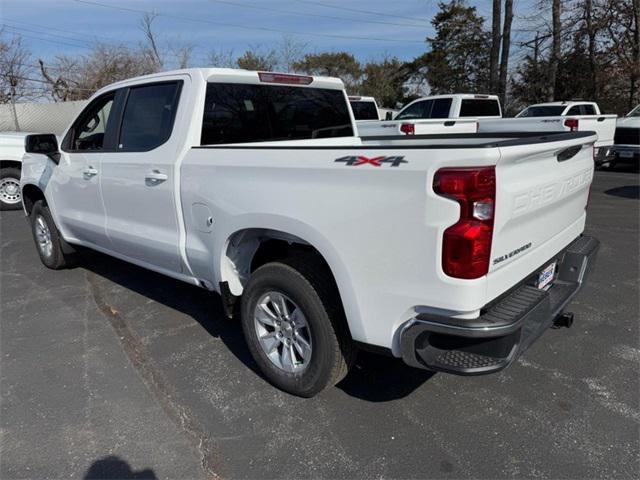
pixel 506 44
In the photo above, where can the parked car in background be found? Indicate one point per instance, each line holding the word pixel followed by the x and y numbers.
pixel 440 251
pixel 561 116
pixel 11 152
pixel 626 142
pixel 364 108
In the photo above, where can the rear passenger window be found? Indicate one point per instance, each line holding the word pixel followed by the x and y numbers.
pixel 148 116
pixel 574 110
pixel 236 113
pixel 415 111
pixel 441 108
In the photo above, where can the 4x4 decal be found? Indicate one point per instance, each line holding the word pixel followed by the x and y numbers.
pixel 357 160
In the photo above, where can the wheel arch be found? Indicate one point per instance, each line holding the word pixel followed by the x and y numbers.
pixel 247 249
pixel 10 164
pixel 30 195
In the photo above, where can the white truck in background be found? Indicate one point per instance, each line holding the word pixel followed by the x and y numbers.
pixel 364 109
pixel 452 252
pixel 438 114
pixel 626 142
pixel 11 153
pixel 574 116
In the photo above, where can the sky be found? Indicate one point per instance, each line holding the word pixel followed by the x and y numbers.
pixel 370 29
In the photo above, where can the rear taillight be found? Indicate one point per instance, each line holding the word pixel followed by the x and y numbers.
pixel 466 246
pixel 571 124
pixel 408 128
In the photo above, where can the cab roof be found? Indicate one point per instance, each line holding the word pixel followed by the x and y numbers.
pixel 232 75
pixel 563 103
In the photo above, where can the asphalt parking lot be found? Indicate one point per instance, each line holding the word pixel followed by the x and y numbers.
pixel 111 371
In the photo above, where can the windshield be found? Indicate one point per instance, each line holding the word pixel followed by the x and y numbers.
pixel 542 111
pixel 635 112
pixel 364 110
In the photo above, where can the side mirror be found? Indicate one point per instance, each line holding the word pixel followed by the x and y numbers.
pixel 44 143
pixel 389 116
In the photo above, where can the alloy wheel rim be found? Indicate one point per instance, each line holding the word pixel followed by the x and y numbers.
pixel 10 190
pixel 43 236
pixel 283 332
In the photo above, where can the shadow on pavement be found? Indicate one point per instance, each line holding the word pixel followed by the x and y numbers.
pixel 381 378
pixel 629 191
pixel 112 467
pixel 374 378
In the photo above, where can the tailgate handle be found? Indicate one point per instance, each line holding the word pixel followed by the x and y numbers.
pixel 567 153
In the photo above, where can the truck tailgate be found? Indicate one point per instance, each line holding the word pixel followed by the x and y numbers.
pixel 603 125
pixel 541 196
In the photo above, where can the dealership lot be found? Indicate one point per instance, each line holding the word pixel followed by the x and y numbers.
pixel 108 368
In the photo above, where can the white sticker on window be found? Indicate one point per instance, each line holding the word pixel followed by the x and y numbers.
pixel 248 105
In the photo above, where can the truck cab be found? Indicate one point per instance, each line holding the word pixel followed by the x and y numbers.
pixel 563 109
pixel 452 106
pixel 364 108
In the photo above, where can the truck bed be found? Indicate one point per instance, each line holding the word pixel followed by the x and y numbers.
pixel 360 199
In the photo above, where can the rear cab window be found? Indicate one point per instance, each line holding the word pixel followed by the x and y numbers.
pixel 477 107
pixel 239 113
pixel 363 110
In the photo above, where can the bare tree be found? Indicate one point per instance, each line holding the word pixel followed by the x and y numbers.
pixel 183 55
pixel 146 25
pixel 78 77
pixel 222 58
pixel 506 45
pixel 495 45
pixel 15 69
pixel 290 51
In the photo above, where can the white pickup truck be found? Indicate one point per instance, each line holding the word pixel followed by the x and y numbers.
pixel 11 153
pixel 456 113
pixel 452 252
pixel 364 109
pixel 561 116
pixel 626 143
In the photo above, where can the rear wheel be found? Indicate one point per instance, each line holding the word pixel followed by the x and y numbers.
pixel 10 198
pixel 54 252
pixel 294 325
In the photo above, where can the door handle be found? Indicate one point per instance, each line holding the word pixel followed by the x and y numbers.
pixel 90 172
pixel 155 177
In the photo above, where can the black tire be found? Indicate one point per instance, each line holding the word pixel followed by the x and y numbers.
pixel 9 201
pixel 306 281
pixel 60 254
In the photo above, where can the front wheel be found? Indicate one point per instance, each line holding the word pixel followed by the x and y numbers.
pixel 54 252
pixel 294 325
